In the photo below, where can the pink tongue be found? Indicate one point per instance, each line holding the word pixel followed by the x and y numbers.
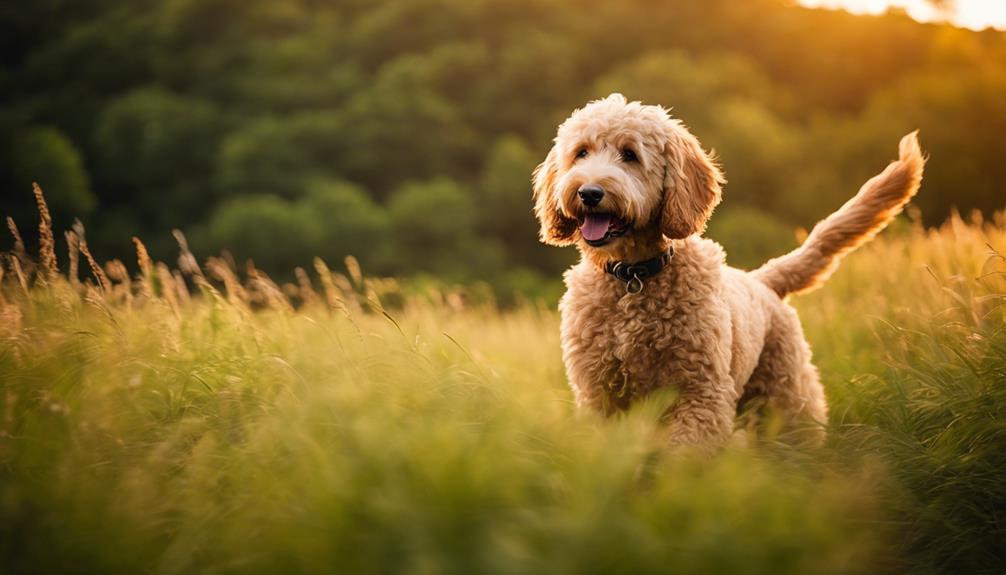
pixel 595 226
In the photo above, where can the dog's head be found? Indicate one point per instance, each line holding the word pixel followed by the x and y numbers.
pixel 623 173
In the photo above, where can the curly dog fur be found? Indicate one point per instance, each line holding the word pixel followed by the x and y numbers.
pixel 716 334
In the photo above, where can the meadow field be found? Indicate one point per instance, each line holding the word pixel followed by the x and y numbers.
pixel 193 419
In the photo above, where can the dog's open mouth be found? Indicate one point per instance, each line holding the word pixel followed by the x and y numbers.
pixel 598 229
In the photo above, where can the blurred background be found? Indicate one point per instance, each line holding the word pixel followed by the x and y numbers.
pixel 404 132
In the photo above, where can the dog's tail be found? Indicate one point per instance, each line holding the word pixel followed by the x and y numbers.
pixel 878 201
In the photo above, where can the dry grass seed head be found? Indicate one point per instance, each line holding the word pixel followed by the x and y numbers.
pixel 122 286
pixel 305 290
pixel 96 299
pixel 146 269
pixel 15 265
pixel 168 290
pixel 350 297
pixel 291 292
pixel 73 254
pixel 182 288
pixel 116 271
pixel 236 294
pixel 187 262
pixel 19 249
pixel 265 291
pixel 47 244
pixel 332 296
pixel 355 272
pixel 99 274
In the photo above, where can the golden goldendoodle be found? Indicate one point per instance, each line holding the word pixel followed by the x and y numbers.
pixel 652 305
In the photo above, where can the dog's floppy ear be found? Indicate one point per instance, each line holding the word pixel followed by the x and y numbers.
pixel 691 184
pixel 556 229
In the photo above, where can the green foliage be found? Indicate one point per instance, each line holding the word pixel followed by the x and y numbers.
pixel 270 156
pixel 155 145
pixel 433 225
pixel 505 207
pixel 349 221
pixel 758 150
pixel 969 93
pixel 686 85
pixel 336 216
pixel 542 67
pixel 505 189
pixel 272 231
pixel 45 155
pixel 403 126
pixel 932 402
pixel 434 214
pixel 750 236
pixel 943 411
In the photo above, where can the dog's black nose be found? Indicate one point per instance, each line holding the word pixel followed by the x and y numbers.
pixel 590 194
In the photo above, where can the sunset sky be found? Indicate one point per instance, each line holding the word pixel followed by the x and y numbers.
pixel 975 14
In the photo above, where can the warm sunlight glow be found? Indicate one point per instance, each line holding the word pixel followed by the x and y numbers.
pixel 974 14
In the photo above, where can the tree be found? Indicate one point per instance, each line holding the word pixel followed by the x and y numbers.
pixel 268 156
pixel 403 128
pixel 690 86
pixel 433 224
pixel 349 221
pixel 44 155
pixel 504 207
pixel 273 232
pixel 155 151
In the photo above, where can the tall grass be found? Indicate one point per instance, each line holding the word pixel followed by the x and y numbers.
pixel 202 419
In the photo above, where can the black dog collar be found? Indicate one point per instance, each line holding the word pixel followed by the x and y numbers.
pixel 634 274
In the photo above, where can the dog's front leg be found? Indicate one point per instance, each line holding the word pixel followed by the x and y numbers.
pixel 704 412
pixel 702 417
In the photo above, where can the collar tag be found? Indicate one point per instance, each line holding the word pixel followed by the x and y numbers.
pixel 634 285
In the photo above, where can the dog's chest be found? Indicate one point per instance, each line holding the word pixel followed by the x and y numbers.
pixel 619 346
pixel 637 322
pixel 635 343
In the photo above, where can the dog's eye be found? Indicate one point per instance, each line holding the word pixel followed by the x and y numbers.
pixel 582 153
pixel 629 156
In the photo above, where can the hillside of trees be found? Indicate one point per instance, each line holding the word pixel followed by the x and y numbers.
pixel 404 132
